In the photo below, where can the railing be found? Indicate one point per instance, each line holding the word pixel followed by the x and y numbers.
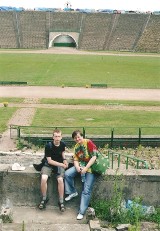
pixel 111 156
pixel 117 136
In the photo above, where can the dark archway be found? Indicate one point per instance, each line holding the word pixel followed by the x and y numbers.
pixel 63 41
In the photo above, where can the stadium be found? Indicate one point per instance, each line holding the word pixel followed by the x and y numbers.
pixel 105 31
pixel 107 51
pixel 100 31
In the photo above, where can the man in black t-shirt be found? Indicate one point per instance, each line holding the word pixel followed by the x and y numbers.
pixel 55 162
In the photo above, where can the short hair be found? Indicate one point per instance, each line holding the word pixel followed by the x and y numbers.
pixel 57 131
pixel 75 133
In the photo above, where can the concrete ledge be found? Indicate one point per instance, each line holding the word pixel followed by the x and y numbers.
pixel 23 187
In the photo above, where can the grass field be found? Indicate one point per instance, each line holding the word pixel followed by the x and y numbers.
pixel 81 70
pixel 104 119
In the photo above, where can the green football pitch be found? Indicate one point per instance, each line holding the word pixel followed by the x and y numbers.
pixel 81 70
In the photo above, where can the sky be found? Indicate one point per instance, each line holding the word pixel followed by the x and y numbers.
pixel 140 5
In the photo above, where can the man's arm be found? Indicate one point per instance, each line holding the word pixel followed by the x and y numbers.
pixel 55 163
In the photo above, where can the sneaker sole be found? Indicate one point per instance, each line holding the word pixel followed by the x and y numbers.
pixel 79 219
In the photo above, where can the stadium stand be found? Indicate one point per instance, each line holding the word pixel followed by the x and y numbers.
pixel 150 39
pixel 96 27
pixel 32 29
pixel 8 33
pixel 64 21
pixel 97 31
pixel 125 32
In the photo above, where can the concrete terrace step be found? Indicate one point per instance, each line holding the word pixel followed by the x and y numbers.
pixel 46 220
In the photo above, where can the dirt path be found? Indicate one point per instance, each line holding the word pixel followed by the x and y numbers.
pixel 106 107
pixel 74 51
pixel 80 93
pixel 23 116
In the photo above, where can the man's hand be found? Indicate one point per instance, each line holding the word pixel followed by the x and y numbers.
pixel 65 163
pixel 83 170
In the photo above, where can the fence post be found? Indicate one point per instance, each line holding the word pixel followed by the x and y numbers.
pixel 112 160
pixel 139 137
pixel 112 134
pixel 84 133
pixel 18 132
pixel 127 163
pixel 119 159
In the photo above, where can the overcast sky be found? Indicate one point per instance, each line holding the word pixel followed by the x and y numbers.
pixel 142 5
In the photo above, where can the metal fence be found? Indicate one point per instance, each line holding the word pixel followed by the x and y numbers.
pixel 111 136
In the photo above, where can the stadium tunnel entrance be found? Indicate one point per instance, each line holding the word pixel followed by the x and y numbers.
pixel 63 39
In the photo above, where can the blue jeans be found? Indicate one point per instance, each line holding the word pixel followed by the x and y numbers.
pixel 87 187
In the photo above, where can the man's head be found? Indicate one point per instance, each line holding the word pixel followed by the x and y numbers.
pixel 77 136
pixel 57 136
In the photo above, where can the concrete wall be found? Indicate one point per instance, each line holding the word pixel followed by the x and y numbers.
pixel 135 183
pixel 23 188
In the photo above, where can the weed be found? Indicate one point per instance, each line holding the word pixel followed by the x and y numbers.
pixel 155 217
pixel 23 226
pixel 134 228
pixel 116 211
pixel 135 212
pixel 6 218
pixel 20 144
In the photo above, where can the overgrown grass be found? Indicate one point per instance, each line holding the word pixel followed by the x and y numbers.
pixel 6 114
pixel 81 70
pixel 99 102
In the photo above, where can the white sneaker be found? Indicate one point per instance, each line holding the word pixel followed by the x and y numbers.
pixel 71 196
pixel 80 216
